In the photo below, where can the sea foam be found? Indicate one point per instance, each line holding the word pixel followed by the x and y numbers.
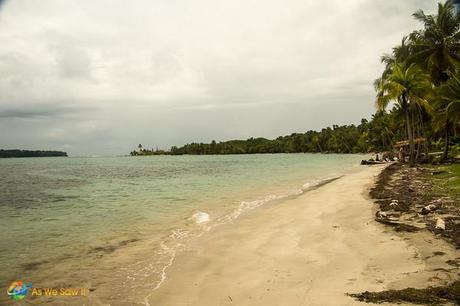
pixel 200 217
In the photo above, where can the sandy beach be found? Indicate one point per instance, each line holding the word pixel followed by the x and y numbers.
pixel 309 250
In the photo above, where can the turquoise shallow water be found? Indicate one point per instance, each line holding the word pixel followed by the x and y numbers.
pixel 71 220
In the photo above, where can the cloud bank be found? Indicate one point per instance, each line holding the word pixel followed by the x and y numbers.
pixel 99 77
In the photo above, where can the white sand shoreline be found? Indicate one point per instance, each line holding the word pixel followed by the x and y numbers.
pixel 308 250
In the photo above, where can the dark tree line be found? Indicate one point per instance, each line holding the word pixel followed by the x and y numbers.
pixel 27 153
pixel 365 137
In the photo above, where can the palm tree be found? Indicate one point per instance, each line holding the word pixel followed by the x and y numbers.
pixel 447 105
pixel 380 132
pixel 437 46
pixel 399 54
pixel 408 86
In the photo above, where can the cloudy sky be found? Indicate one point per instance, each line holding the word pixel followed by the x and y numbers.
pixel 96 77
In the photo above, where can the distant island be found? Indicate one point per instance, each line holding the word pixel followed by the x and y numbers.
pixel 28 153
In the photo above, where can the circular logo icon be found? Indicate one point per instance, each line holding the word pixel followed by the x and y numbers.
pixel 18 290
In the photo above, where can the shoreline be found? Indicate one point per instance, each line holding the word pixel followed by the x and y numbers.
pixel 128 267
pixel 309 250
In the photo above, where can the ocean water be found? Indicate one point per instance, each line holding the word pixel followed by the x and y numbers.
pixel 114 224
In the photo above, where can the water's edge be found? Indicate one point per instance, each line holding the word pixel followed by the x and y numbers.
pixel 202 219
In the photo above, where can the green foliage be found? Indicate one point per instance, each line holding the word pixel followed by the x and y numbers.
pixel 338 139
pixel 436 47
pixel 446 103
pixel 146 152
pixel 421 78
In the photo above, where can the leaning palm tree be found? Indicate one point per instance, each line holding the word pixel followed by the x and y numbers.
pixel 446 103
pixel 437 46
pixel 408 86
pixel 399 54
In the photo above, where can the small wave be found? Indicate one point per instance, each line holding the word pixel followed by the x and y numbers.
pixel 200 217
pixel 318 183
pixel 248 205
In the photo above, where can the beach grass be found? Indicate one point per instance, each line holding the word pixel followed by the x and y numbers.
pixel 447 182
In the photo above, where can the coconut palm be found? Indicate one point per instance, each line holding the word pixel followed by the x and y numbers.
pixel 399 54
pixel 437 46
pixel 446 103
pixel 437 49
pixel 408 86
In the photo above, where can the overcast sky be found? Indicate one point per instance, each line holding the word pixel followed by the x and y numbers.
pixel 96 77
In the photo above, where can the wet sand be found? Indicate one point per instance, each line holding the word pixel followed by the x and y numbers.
pixel 309 250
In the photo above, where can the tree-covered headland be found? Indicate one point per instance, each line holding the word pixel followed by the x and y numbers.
pixel 28 153
pixel 417 103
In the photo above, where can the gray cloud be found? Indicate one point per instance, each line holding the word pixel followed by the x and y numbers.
pixel 45 111
pixel 98 77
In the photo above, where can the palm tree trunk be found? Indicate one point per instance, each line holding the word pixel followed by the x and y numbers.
pixel 446 140
pixel 422 134
pixel 416 132
pixel 411 136
pixel 320 149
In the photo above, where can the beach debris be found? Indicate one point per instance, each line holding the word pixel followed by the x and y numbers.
pixel 390 215
pixel 427 209
pixel 440 224
pixel 426 296
pixel 386 218
pixel 388 156
pixel 372 162
pixel 454 262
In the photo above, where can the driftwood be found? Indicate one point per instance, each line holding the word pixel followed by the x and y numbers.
pixel 372 162
pixel 427 209
pixel 383 217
